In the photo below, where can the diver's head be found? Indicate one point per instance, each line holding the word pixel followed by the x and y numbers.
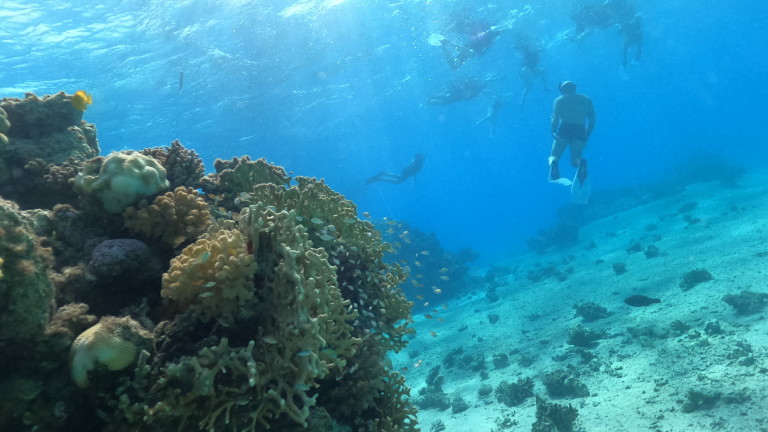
pixel 567 87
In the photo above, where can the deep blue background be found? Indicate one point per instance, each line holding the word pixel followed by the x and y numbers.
pixel 334 89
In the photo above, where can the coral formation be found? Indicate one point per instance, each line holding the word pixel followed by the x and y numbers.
pixel 695 277
pixel 513 394
pixel 278 313
pixel 747 302
pixel 562 384
pixel 590 311
pixel 213 275
pixel 25 289
pixel 113 343
pixel 552 417
pixel 49 128
pixel 173 218
pixel 183 166
pixel 122 179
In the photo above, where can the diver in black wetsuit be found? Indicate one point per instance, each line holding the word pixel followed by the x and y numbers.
pixel 408 172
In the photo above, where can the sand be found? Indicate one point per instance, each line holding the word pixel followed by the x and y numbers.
pixel 639 380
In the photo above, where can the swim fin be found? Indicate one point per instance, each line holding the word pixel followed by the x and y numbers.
pixel 580 189
pixel 554 173
pixel 435 39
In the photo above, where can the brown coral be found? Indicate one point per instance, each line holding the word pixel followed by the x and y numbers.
pixel 240 175
pixel 212 275
pixel 174 217
pixel 183 166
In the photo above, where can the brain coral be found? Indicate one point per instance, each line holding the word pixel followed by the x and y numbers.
pixel 213 275
pixel 122 179
pixel 174 217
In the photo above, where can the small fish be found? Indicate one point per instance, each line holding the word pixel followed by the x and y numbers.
pixel 269 339
pixel 418 363
pixel 303 353
pixel 424 252
pixel 444 270
pixel 441 319
pixel 326 237
pixel 445 278
pixel 433 333
pixel 317 221
pixel 437 291
pixel 81 100
pixel 366 215
pixel 419 296
pixel 204 257
pixel 210 284
pixel 418 263
pixel 640 300
pixel 428 316
pixel 404 369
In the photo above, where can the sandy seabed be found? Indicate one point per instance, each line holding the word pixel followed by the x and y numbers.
pixel 642 370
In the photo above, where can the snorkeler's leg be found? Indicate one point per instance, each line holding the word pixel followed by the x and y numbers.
pixel 375 178
pixel 558 147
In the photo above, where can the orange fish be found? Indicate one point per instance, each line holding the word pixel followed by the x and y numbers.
pixel 81 100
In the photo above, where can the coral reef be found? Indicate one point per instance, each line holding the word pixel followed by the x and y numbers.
pixel 213 276
pixel 591 311
pixel 695 277
pixel 278 312
pixel 183 166
pixel 747 302
pixel 49 128
pixel 583 337
pixel 113 343
pixel 122 179
pixel 513 394
pixel 552 417
pixel 562 384
pixel 25 289
pixel 173 218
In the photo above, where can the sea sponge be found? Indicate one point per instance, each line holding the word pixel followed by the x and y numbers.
pixel 174 217
pixel 122 180
pixel 113 343
pixel 213 275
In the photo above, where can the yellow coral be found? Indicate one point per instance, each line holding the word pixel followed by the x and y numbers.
pixel 113 343
pixel 173 217
pixel 214 275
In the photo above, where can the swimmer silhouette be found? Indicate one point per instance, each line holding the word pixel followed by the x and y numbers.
pixel 408 172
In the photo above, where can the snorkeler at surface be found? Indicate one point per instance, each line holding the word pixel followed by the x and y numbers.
pixel 409 171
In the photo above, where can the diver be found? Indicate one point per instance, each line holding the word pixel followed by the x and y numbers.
pixel 480 39
pixel 409 171
pixel 530 70
pixel 569 113
pixel 633 36
pixel 492 114
pixel 459 90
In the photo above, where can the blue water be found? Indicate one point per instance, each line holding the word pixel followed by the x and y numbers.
pixel 334 89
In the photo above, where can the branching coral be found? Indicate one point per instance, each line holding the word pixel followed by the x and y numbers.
pixel 174 217
pixel 240 175
pixel 213 275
